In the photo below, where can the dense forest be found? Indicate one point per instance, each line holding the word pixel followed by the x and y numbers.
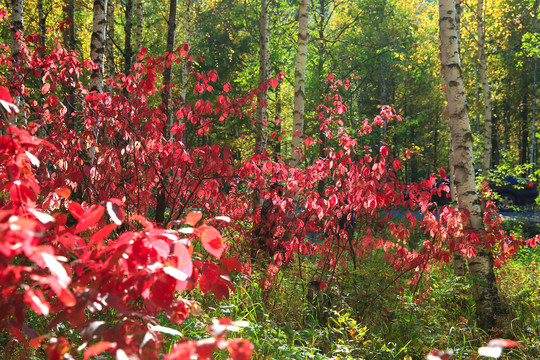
pixel 318 178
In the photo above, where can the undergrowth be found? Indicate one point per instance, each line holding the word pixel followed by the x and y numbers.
pixel 362 315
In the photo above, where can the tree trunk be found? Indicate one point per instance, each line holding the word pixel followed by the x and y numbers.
pixel 69 16
pixel 460 264
pixel 261 119
pixel 128 49
pixel 42 19
pixel 97 49
pixel 111 68
pixel 524 133
pixel 533 130
pixel 485 292
pixel 184 72
pixel 300 84
pixel 486 159
pixel 277 118
pixel 167 72
pixel 70 43
pixel 17 34
pixel 161 200
pixel 97 44
pixel 138 38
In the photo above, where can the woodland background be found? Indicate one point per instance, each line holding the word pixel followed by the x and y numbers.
pixel 141 170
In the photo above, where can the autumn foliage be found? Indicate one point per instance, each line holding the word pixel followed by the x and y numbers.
pixel 78 241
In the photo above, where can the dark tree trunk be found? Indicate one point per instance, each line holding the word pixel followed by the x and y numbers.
pixel 161 200
pixel 128 49
pixel 524 133
pixel 69 38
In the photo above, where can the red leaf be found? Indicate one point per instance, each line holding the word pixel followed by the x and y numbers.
pixel 240 349
pixel 232 264
pixel 98 348
pixel 5 95
pixel 184 259
pixel 185 350
pixel 76 210
pixel 115 212
pixel 56 268
pixel 64 192
pixel 45 88
pixel 273 82
pixel 211 240
pixel 161 247
pixel 148 226
pixel 503 343
pixel 205 348
pixel 89 218
pixel 384 151
pixel 442 172
pixel 193 217
pixel 227 87
pixel 97 237
pixel 396 165
pixel 36 302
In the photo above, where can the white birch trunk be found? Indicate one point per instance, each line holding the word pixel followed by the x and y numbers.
pixel 480 267
pixel 300 84
pixel 97 50
pixel 486 159
pixel 97 44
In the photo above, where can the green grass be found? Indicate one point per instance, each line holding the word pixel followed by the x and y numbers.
pixel 361 320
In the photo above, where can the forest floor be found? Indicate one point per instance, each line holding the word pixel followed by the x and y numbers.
pixel 363 315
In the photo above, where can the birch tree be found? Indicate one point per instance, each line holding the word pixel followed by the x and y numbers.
pixel 485 292
pixel 97 44
pixel 300 83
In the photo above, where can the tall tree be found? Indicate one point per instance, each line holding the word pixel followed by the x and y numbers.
pixel 184 72
pixel 17 34
pixel 97 44
pixel 97 49
pixel 261 119
pixel 128 48
pixel 138 37
pixel 161 200
pixel 69 18
pixel 482 61
pixel 300 83
pixel 111 69
pixel 485 292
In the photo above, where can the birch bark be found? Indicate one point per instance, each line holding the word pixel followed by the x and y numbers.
pixel 484 290
pixel 97 44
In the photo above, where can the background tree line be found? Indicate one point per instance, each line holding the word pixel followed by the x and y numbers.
pixel 387 48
